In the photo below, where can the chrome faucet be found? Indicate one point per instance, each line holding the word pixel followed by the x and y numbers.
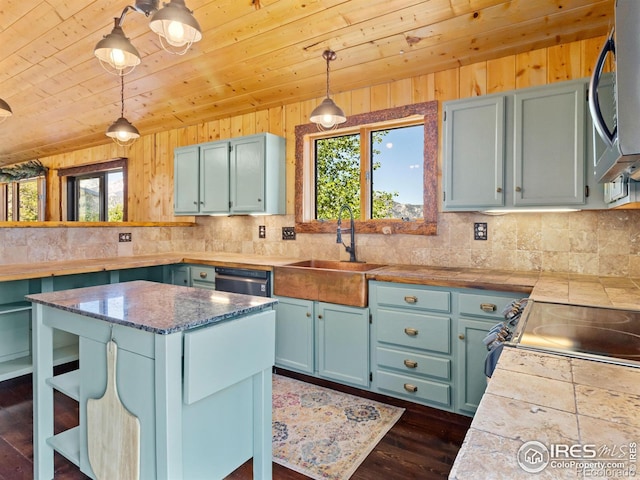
pixel 352 230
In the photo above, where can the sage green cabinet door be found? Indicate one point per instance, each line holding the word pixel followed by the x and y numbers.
pixel 248 174
pixel 294 334
pixel 343 343
pixel 214 177
pixel 549 145
pixel 471 381
pixel 474 152
pixel 186 175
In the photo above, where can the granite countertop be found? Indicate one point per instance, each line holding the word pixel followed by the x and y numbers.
pixel 154 307
pixel 553 400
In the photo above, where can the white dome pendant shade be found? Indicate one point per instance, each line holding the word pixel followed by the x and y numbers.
pixel 328 115
pixel 176 26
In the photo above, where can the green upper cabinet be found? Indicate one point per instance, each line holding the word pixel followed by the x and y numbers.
pixel 549 145
pixel 474 149
pixel 186 177
pixel 522 149
pixel 242 175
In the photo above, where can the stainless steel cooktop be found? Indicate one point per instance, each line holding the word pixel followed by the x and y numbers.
pixel 605 334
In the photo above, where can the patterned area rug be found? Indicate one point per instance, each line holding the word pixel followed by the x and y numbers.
pixel 322 433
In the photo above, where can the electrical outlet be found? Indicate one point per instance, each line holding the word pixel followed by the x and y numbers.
pixel 124 237
pixel 480 231
pixel 288 233
pixel 262 231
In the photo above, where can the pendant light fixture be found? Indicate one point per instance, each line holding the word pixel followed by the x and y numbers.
pixel 122 131
pixel 116 53
pixel 5 110
pixel 328 115
pixel 176 26
pixel 174 23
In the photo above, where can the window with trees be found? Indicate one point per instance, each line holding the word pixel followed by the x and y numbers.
pixel 382 164
pixel 22 192
pixel 96 193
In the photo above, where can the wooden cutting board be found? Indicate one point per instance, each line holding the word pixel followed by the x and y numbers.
pixel 113 433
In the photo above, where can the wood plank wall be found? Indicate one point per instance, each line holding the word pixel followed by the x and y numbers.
pixel 151 157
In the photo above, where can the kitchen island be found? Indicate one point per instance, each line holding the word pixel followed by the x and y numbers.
pixel 194 367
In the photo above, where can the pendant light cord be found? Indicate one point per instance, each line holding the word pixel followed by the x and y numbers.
pixel 328 57
pixel 121 96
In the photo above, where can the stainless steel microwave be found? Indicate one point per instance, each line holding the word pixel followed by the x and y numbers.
pixel 614 98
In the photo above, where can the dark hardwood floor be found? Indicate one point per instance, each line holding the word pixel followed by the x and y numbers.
pixel 422 445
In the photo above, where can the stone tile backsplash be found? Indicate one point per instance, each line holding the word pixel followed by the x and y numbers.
pixel 604 243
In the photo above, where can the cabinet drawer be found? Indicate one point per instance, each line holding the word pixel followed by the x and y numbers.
pixel 426 332
pixel 483 305
pixel 420 390
pixel 414 298
pixel 203 277
pixel 414 363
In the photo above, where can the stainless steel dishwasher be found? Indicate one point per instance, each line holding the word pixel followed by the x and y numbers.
pixel 243 280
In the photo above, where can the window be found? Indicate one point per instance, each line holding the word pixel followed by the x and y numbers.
pixel 23 200
pixel 96 193
pixel 377 172
pixel 382 164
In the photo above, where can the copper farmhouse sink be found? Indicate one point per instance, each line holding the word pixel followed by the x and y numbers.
pixel 329 281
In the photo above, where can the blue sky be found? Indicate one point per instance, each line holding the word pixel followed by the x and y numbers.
pixel 401 154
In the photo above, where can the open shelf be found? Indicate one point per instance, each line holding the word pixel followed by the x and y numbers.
pixel 67 383
pixel 24 365
pixel 67 444
pixel 15 307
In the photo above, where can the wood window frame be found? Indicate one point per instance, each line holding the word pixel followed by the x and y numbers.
pixel 41 183
pixel 305 174
pixel 113 164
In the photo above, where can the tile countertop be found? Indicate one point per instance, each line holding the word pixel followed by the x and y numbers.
pixel 154 307
pixel 591 406
pixel 562 288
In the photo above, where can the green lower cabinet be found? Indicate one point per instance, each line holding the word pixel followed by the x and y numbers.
pixel 323 339
pixel 343 343
pixel 294 334
pixel 471 382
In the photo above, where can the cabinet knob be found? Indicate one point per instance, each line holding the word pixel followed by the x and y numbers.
pixel 308 314
pixel 259 200
pixel 499 189
pixel 203 274
pixel 410 363
pixel 412 332
pixel 518 189
pixel 410 388
pixel 488 307
pixel 195 203
pixel 461 336
pixel 411 299
pixel 320 317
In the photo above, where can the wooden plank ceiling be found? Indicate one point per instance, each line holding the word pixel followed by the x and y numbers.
pixel 255 54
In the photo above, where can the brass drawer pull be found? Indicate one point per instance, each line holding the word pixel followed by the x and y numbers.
pixel 410 388
pixel 410 363
pixel 412 332
pixel 411 299
pixel 488 307
pixel 203 274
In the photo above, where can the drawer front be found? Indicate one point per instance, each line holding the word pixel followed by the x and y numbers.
pixel 414 363
pixel 203 277
pixel 483 305
pixel 409 329
pixel 414 298
pixel 417 389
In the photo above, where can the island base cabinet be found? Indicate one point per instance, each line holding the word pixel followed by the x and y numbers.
pixel 203 427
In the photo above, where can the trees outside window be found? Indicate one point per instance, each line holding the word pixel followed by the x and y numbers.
pixel 96 193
